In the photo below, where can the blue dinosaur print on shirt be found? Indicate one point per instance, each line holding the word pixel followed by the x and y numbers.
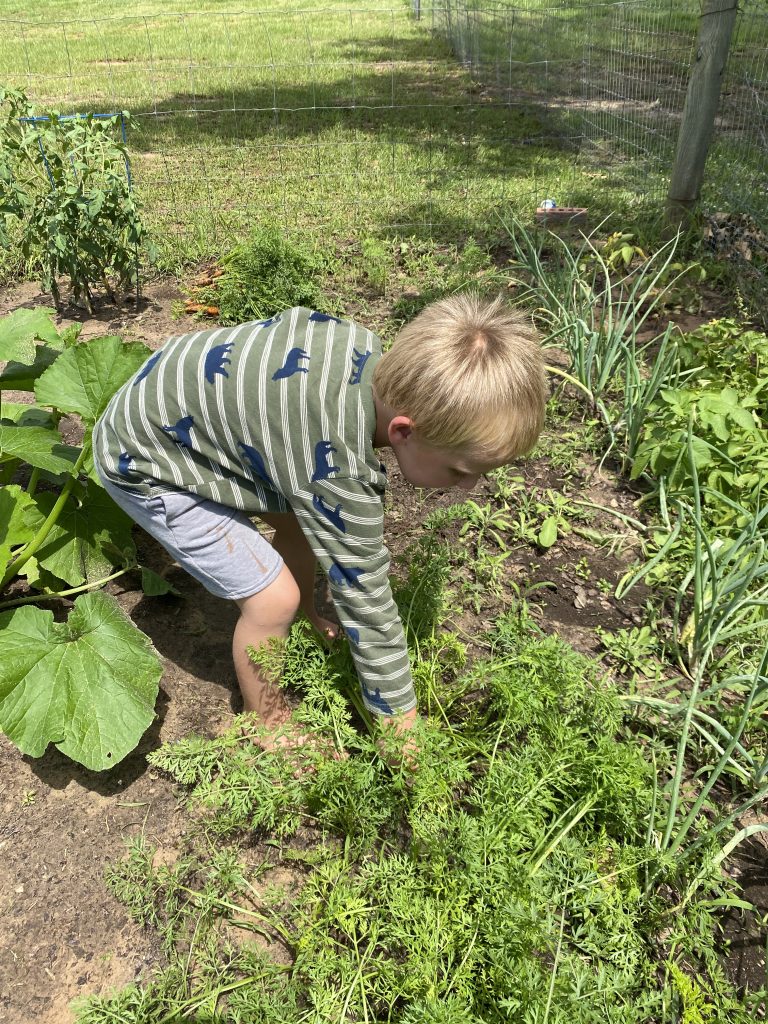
pixel 359 359
pixel 344 577
pixel 256 461
pixel 216 359
pixel 323 318
pixel 147 367
pixel 292 364
pixel 323 462
pixel 268 323
pixel 124 463
pixel 182 430
pixel 333 514
pixel 376 700
pixel 352 634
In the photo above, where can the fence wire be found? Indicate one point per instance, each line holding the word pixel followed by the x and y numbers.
pixel 417 117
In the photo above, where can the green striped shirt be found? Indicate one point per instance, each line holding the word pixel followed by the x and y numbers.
pixel 265 417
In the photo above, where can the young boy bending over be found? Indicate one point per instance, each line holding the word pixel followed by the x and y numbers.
pixel 281 419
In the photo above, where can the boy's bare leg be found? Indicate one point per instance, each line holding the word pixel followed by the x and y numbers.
pixel 264 616
pixel 295 551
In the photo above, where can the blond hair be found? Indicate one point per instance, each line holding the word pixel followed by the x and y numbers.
pixel 470 374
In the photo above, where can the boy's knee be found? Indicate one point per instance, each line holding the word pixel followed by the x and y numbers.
pixel 278 604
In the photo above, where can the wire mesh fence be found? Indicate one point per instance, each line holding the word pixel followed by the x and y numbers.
pixel 412 117
pixel 737 170
pixel 622 70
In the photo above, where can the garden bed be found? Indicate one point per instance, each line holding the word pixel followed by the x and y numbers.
pixel 67 934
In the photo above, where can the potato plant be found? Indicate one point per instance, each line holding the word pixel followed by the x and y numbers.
pixel 88 684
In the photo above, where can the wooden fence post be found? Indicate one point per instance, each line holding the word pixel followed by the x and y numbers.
pixel 701 102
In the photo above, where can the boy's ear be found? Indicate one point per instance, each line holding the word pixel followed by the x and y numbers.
pixel 399 430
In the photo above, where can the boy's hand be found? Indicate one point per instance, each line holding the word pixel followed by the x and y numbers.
pixel 402 725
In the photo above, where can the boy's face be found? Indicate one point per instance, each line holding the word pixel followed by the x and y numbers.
pixel 424 465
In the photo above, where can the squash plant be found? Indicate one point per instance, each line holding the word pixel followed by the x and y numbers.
pixel 87 684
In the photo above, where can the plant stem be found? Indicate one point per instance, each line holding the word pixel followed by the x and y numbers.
pixel 571 380
pixel 37 598
pixel 42 534
pixel 682 745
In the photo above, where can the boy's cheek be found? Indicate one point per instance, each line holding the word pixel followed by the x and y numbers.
pixel 425 478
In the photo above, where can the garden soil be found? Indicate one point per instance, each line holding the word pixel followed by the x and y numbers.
pixel 63 935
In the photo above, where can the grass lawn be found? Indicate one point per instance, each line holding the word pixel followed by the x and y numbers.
pixel 346 121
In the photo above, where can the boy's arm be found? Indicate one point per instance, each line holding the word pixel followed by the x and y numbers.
pixel 342 520
pixel 401 723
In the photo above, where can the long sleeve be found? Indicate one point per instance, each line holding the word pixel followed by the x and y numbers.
pixel 342 520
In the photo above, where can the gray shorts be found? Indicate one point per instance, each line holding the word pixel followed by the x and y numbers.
pixel 217 545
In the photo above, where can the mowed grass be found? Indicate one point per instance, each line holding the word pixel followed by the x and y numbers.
pixel 344 121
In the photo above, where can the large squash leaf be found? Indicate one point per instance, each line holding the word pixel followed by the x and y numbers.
pixel 15 528
pixel 20 329
pixel 76 548
pixel 89 685
pixel 21 376
pixel 84 378
pixel 26 360
pixel 25 415
pixel 38 446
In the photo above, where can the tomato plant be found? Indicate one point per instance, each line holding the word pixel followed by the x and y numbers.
pixel 65 181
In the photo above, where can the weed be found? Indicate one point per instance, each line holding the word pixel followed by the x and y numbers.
pixel 583 569
pixel 632 650
pixel 376 263
pixel 485 521
pixel 506 482
pixel 263 276
pixel 443 270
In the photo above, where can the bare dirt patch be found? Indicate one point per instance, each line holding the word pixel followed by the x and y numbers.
pixel 151 319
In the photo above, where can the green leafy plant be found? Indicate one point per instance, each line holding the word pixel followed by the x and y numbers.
pixel 88 684
pixel 65 181
pixel 731 351
pixel 679 285
pixel 262 276
pixel 730 446
pixel 485 521
pixel 503 877
pixel 632 650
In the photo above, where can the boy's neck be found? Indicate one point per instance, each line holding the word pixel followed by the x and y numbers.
pixel 384 417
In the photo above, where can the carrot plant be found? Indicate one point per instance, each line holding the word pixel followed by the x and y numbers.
pixel 685 415
pixel 502 880
pixel 88 684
